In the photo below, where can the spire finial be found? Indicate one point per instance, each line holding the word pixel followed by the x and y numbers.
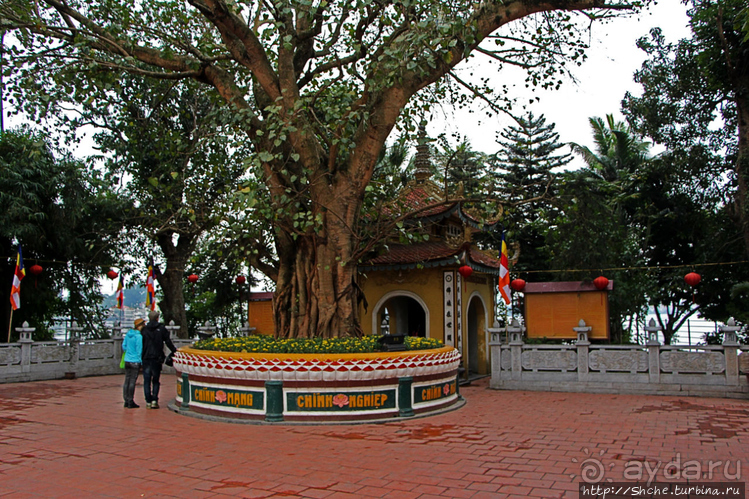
pixel 422 161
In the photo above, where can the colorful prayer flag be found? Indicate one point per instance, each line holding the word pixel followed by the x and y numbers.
pixel 150 290
pixel 15 290
pixel 504 272
pixel 120 294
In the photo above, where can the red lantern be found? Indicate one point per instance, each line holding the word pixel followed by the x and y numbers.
pixel 35 270
pixel 465 271
pixel 692 278
pixel 517 284
pixel 112 274
pixel 192 278
pixel 601 282
pixel 240 279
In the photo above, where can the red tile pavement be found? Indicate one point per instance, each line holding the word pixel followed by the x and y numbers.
pixel 73 438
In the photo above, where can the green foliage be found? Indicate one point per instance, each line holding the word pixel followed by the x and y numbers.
pixel 465 169
pixel 175 152
pixel 174 149
pixel 390 174
pixel 267 344
pixel 682 110
pixel 692 93
pixel 216 297
pixel 66 220
pixel 739 304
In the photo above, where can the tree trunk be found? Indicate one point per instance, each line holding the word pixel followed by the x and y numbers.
pixel 171 280
pixel 742 161
pixel 316 293
pixel 173 305
pixel 668 334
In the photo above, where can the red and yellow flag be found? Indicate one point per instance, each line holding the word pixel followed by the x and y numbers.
pixel 504 272
pixel 150 290
pixel 15 290
pixel 120 294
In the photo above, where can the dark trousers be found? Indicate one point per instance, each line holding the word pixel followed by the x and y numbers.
pixel 151 377
pixel 131 377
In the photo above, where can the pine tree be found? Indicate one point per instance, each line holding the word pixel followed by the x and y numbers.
pixel 529 154
pixel 523 171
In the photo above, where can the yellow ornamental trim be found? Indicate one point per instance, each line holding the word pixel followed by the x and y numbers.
pixel 304 357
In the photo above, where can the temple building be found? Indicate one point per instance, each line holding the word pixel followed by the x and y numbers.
pixel 444 287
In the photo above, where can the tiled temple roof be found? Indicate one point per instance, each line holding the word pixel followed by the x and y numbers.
pixel 431 254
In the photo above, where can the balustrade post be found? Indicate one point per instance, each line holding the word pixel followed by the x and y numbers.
pixel 495 347
pixel 654 352
pixel 583 348
pixel 75 349
pixel 24 338
pixel 495 333
pixel 206 331
pixel 731 351
pixel 246 329
pixel 515 333
pixel 173 329
pixel 117 341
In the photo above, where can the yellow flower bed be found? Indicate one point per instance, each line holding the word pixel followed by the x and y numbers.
pixel 268 344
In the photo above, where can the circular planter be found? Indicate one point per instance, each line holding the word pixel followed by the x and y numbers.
pixel 316 387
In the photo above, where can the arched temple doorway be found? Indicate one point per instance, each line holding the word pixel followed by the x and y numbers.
pixel 401 312
pixel 476 337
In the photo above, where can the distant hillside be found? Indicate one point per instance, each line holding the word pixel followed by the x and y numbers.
pixel 134 298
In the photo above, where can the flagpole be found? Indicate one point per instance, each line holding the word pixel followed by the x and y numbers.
pixel 10 322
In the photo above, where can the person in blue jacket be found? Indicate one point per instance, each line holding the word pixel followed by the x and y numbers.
pixel 132 345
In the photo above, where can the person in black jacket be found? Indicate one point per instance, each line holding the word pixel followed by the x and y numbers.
pixel 155 335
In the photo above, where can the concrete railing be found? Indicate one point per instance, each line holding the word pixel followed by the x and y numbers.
pixel 716 371
pixel 29 360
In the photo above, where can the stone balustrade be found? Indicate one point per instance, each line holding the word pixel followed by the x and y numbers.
pixel 29 360
pixel 716 371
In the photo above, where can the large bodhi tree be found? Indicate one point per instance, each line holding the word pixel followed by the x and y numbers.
pixel 317 85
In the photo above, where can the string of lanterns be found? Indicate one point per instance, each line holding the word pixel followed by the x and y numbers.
pixel 546 271
pixel 602 282
pixel 112 274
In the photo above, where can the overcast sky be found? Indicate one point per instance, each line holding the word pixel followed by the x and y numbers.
pixel 603 79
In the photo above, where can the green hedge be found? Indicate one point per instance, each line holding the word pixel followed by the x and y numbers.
pixel 268 344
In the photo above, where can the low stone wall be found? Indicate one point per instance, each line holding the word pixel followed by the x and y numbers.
pixel 28 360
pixel 710 371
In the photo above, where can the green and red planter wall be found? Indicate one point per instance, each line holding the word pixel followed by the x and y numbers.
pixel 317 387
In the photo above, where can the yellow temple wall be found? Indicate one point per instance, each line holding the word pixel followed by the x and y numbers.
pixel 427 284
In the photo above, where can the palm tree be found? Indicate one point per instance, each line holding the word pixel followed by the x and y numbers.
pixel 618 151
